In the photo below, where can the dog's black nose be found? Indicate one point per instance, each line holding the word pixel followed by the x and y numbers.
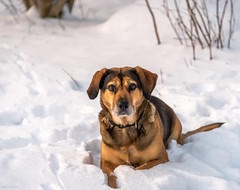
pixel 123 105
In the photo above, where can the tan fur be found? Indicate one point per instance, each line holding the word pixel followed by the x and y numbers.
pixel 142 147
pixel 129 153
pixel 176 132
pixel 110 99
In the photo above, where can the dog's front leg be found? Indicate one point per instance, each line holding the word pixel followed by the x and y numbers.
pixel 112 180
pixel 108 168
pixel 151 164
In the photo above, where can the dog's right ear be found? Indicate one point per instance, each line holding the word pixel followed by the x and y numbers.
pixel 94 86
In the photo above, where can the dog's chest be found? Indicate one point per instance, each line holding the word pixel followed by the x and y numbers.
pixel 130 155
pixel 136 151
pixel 124 137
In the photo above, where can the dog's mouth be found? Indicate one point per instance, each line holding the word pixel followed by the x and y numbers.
pixel 123 113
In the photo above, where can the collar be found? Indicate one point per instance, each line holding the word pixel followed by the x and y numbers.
pixel 136 123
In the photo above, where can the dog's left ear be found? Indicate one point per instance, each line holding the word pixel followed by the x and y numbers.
pixel 94 86
pixel 148 81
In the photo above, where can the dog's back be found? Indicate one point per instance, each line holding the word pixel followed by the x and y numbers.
pixel 166 114
pixel 170 120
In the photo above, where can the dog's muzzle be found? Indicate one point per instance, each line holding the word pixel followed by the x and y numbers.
pixel 124 108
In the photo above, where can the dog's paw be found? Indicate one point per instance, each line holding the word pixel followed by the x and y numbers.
pixel 112 181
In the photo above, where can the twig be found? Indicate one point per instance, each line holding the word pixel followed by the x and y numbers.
pixel 60 23
pixel 185 84
pixel 158 92
pixel 192 40
pixel 231 23
pixel 220 23
pixel 74 80
pixel 207 36
pixel 205 12
pixel 11 9
pixel 55 9
pixel 200 30
pixel 166 7
pixel 59 83
pixel 203 23
pixel 186 63
pixel 154 22
pixel 208 28
pixel 194 22
pixel 223 13
pixel 181 24
pixel 201 17
pixel 161 74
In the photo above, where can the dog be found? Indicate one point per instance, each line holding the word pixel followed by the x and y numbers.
pixel 136 127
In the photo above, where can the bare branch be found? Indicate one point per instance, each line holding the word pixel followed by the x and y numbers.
pixel 161 74
pixel 180 20
pixel 231 23
pixel 200 29
pixel 60 24
pixel 208 28
pixel 186 63
pixel 11 9
pixel 192 40
pixel 186 85
pixel 205 12
pixel 194 22
pixel 166 7
pixel 71 77
pixel 154 22
pixel 202 21
pixel 220 23
pixel 207 36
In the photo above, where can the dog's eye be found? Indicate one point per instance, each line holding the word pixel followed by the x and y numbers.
pixel 112 88
pixel 132 87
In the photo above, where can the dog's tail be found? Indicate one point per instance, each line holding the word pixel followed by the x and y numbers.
pixel 201 129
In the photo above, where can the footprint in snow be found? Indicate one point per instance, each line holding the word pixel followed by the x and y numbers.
pixel 50 186
pixel 15 142
pixel 216 101
pixel 94 148
pixel 200 88
pixel 202 110
pixel 11 118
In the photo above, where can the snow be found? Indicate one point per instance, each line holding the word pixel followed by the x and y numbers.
pixel 49 131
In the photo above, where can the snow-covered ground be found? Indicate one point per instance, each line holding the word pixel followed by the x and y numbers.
pixel 49 131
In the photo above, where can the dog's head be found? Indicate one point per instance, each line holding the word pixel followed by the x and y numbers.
pixel 122 90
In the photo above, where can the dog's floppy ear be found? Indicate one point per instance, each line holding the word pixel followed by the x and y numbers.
pixel 148 81
pixel 94 86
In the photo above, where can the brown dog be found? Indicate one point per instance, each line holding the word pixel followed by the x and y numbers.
pixel 135 126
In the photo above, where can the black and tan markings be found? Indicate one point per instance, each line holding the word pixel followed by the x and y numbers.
pixel 135 126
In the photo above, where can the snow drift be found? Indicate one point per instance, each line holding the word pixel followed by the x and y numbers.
pixel 49 133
